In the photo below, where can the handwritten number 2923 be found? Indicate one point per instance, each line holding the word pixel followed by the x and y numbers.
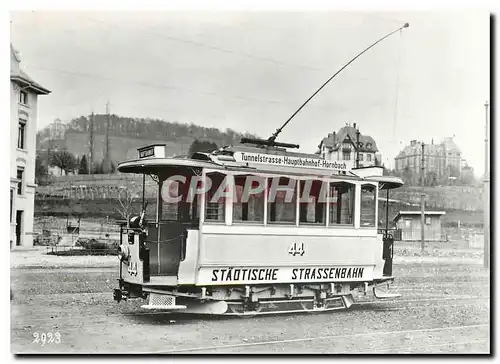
pixel 43 338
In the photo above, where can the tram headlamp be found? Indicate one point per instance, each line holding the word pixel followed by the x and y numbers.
pixel 123 252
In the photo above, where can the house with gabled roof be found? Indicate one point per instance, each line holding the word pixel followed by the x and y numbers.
pixel 341 146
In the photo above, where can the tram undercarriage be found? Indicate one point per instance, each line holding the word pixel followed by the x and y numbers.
pixel 253 300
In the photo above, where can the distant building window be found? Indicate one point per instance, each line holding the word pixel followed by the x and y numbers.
pixel 20 175
pixel 23 98
pixel 346 156
pixel 427 220
pixel 369 145
pixel 360 156
pixel 369 157
pixel 21 135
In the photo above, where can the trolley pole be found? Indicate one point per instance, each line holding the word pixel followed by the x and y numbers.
pixel 486 195
pixel 422 203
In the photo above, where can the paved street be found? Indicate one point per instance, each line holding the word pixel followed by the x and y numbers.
pixel 444 309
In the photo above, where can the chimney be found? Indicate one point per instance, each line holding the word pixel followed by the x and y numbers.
pixel 413 143
pixel 354 125
pixel 334 136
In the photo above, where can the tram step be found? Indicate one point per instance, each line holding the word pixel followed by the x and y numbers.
pixel 384 294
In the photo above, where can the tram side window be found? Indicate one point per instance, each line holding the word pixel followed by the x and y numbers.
pixel 282 200
pixel 368 205
pixel 342 203
pixel 215 200
pixel 248 205
pixel 312 208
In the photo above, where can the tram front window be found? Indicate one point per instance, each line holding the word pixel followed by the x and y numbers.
pixel 177 203
pixel 248 205
pixel 342 203
pixel 368 205
pixel 282 200
pixel 312 202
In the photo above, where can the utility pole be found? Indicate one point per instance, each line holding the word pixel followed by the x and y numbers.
pixel 108 164
pixel 486 195
pixel 91 143
pixel 422 202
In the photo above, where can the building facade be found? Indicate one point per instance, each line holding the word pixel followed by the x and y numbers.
pixel 24 94
pixel 341 146
pixel 442 162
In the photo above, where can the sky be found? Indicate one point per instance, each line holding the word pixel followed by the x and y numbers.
pixel 250 70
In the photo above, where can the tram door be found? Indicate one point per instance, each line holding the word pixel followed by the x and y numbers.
pixel 387 254
pixel 165 248
pixel 166 240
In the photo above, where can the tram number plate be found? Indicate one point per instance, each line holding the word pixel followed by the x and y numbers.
pixel 296 249
pixel 132 268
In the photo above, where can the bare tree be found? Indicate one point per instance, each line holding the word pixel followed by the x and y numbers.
pixel 126 198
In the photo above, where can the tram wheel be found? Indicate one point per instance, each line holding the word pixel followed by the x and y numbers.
pixel 243 313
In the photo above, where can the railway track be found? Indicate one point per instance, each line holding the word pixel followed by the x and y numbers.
pixel 389 305
pixel 333 338
pixel 388 332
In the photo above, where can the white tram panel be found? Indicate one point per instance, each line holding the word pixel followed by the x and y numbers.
pixel 254 247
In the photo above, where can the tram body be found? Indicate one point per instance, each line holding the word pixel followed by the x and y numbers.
pixel 199 252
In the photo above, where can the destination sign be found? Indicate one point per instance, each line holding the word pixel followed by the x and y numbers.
pixel 157 151
pixel 242 275
pixel 290 161
pixel 150 152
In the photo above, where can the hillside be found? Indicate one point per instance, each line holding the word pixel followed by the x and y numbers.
pixel 96 196
pixel 127 134
pixel 464 198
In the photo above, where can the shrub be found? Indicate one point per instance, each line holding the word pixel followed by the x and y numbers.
pixel 91 244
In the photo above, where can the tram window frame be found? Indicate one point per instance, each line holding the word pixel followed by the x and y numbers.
pixel 182 211
pixel 350 194
pixel 252 200
pixel 364 223
pixel 221 203
pixel 273 205
pixel 316 190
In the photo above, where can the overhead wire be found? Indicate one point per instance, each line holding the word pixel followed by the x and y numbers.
pixel 190 42
pixel 213 48
pixel 170 87
pixel 199 44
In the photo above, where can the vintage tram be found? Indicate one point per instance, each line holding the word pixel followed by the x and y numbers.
pixel 253 229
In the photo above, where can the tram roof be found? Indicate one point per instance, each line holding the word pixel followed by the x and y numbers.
pixel 152 159
pixel 152 164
